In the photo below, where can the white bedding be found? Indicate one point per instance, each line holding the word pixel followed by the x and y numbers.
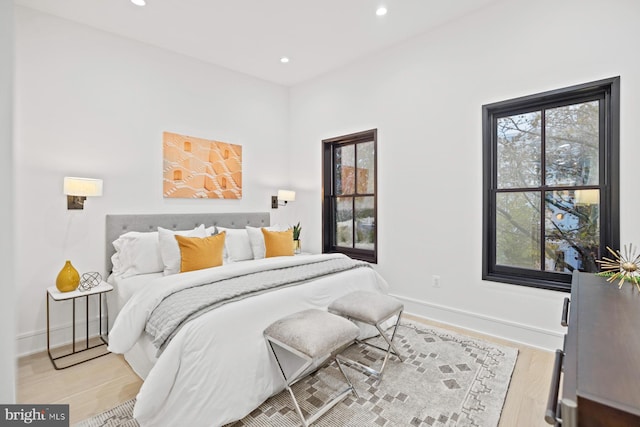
pixel 217 368
pixel 123 290
pixel 142 356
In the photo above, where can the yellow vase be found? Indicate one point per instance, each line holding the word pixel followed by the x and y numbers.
pixel 68 278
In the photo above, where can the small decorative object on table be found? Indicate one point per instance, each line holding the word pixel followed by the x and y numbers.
pixel 296 237
pixel 68 278
pixel 89 281
pixel 624 267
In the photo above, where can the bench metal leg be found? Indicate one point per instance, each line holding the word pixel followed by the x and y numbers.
pixel 391 349
pixel 301 374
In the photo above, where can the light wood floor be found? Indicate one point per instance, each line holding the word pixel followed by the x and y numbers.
pixel 89 388
pixel 103 383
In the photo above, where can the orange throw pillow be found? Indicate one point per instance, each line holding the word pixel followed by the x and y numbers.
pixel 278 243
pixel 197 253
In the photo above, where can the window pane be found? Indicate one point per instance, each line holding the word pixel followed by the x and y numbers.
pixel 572 144
pixel 366 168
pixel 365 224
pixel 572 231
pixel 344 222
pixel 518 150
pixel 518 229
pixel 344 161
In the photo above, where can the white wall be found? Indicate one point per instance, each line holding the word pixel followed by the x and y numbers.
pixel 425 96
pixel 92 104
pixel 7 283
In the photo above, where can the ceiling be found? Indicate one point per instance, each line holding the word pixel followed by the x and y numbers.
pixel 250 36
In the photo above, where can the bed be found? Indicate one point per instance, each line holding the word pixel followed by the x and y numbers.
pixel 215 368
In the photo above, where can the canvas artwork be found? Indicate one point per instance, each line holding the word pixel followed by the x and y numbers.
pixel 201 168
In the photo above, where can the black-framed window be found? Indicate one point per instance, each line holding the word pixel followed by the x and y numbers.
pixel 551 184
pixel 349 208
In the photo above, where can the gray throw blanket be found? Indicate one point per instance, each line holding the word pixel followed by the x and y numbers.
pixel 181 306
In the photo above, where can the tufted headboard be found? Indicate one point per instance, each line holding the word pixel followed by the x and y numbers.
pixel 120 224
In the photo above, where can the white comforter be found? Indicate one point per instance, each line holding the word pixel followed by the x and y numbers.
pixel 217 368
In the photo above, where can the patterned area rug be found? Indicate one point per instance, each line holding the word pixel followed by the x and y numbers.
pixel 447 379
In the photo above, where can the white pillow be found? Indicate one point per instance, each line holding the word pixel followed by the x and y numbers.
pixel 237 246
pixel 257 239
pixel 136 253
pixel 169 249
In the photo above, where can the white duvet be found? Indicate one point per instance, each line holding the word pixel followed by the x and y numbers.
pixel 217 368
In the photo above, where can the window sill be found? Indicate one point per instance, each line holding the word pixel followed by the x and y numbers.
pixel 528 281
pixel 367 256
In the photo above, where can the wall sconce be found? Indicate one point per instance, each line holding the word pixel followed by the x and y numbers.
pixel 78 189
pixel 282 198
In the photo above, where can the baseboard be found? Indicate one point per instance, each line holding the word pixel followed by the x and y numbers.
pixel 520 333
pixel 35 342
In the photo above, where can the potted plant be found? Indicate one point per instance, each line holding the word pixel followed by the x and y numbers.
pixel 296 237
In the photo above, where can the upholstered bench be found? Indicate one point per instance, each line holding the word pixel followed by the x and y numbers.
pixel 302 342
pixel 374 309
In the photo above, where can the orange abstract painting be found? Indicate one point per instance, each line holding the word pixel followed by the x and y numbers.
pixel 199 168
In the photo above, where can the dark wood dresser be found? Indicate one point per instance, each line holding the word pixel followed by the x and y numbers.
pixel 599 367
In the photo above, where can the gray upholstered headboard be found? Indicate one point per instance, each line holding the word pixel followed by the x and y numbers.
pixel 120 224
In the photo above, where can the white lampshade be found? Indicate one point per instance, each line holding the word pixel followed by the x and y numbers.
pixel 587 197
pixel 85 187
pixel 286 196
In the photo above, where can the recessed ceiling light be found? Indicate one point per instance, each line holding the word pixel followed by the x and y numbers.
pixel 381 11
pixel 284 59
pixel 139 2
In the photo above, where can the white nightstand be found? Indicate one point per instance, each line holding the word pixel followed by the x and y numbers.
pixel 54 294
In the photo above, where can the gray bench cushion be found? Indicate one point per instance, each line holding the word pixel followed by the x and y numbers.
pixel 366 306
pixel 313 332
